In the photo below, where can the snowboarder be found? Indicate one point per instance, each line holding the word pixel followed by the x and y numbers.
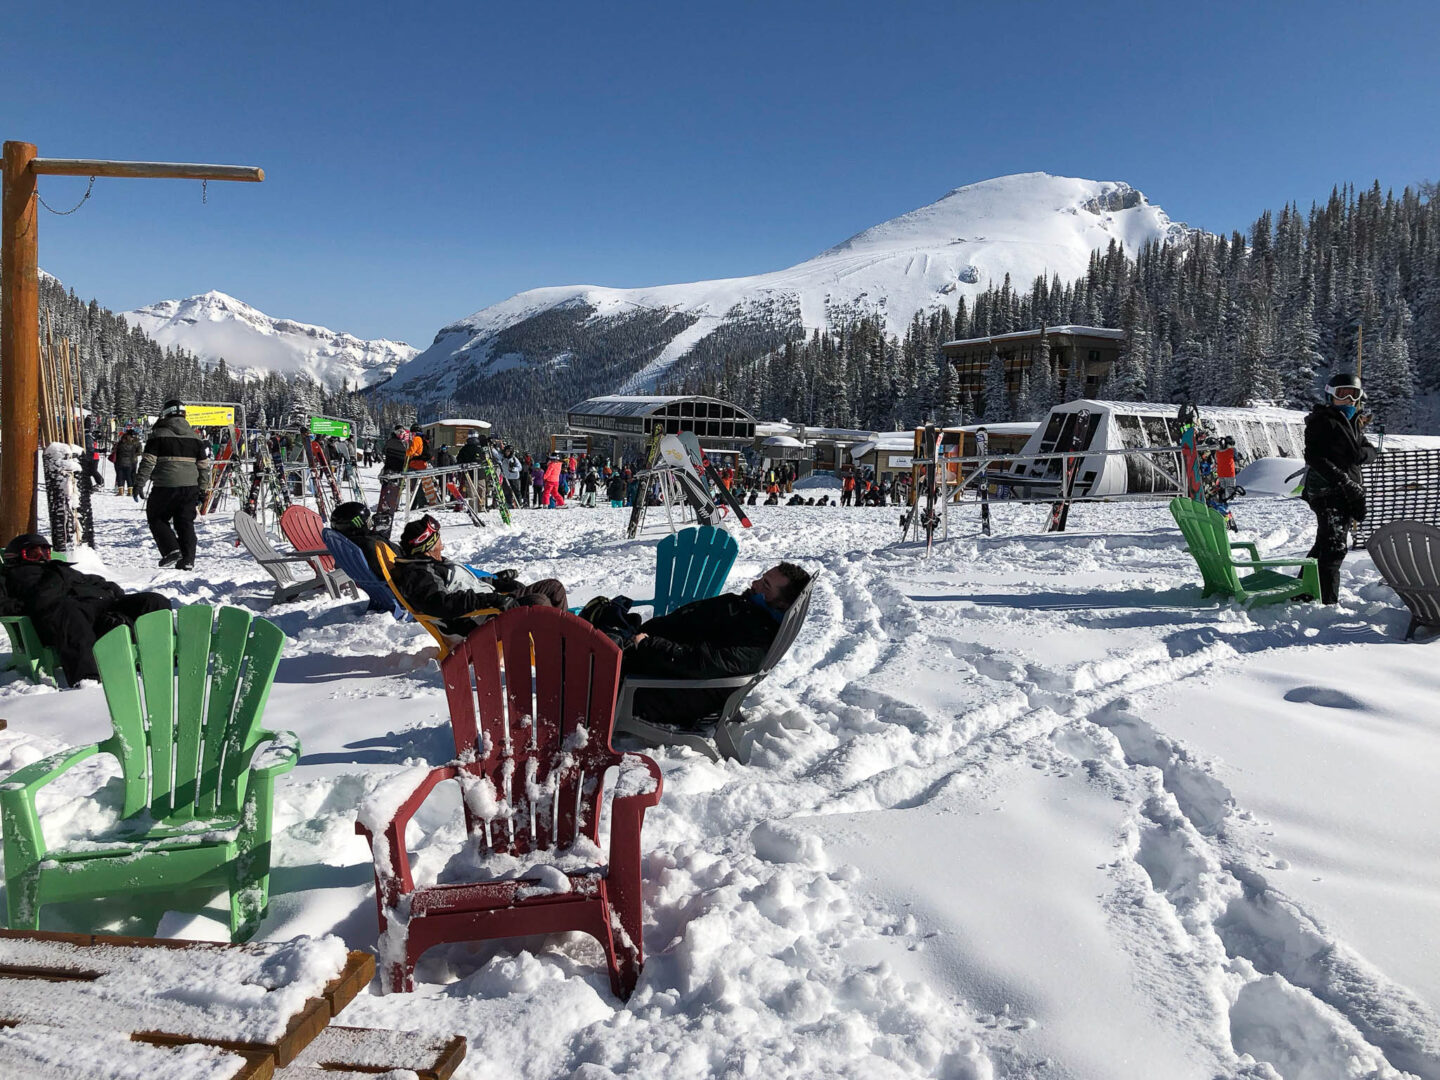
pixel 1335 448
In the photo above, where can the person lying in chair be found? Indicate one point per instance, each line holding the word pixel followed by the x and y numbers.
pixel 705 639
pixel 71 610
pixel 450 592
pixel 353 521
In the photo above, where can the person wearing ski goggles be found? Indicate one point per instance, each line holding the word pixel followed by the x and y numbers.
pixel 1335 448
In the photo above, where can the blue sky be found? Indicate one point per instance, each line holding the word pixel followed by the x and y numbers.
pixel 423 165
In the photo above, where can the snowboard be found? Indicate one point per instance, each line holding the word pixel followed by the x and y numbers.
pixel 692 444
pixel 651 455
pixel 675 454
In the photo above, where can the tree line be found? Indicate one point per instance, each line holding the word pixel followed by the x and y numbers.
pixel 1239 320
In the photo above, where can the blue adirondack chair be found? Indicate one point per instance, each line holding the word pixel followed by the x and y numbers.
pixel 351 559
pixel 691 564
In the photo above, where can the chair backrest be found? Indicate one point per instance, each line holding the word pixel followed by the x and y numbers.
pixel 257 542
pixel 1208 538
pixel 532 704
pixel 1407 554
pixel 186 692
pixel 692 564
pixel 303 527
pixel 352 560
pixel 789 630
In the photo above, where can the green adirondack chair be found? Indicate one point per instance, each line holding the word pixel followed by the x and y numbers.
pixel 199 772
pixel 1210 544
pixel 27 655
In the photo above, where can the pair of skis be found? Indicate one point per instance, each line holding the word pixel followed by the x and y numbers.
pixel 1079 437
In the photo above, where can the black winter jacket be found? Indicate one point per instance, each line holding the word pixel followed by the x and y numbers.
pixel 175 457
pixel 446 591
pixel 1334 451
pixel 40 588
pixel 706 639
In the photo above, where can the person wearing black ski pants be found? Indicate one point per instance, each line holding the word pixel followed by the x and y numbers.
pixel 71 610
pixel 170 513
pixel 1335 448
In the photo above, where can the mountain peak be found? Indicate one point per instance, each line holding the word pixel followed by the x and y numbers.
pixel 216 325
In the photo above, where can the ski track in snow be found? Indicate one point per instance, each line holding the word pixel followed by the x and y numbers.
pixel 918 686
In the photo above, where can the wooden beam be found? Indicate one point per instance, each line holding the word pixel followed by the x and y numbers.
pixel 163 170
pixel 19 344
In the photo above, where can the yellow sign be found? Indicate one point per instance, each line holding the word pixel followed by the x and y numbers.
pixel 210 415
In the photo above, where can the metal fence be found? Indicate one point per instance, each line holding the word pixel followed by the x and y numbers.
pixel 1401 485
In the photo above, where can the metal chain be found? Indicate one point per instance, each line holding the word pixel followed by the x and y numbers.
pixel 62 213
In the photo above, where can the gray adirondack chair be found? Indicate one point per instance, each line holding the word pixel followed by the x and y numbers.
pixel 290 585
pixel 1407 554
pixel 715 740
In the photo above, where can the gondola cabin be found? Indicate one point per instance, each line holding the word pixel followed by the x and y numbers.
pixel 1262 431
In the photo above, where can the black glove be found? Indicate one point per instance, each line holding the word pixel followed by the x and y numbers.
pixel 1354 499
pixel 506 581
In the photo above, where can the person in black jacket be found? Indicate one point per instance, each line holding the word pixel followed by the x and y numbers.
pixel 709 639
pixel 354 521
pixel 70 609
pixel 176 464
pixel 451 592
pixel 1335 449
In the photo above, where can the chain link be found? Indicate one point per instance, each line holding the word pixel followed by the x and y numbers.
pixel 62 213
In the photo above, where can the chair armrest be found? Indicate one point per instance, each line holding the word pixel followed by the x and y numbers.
pixel 1247 545
pixel 637 788
pixel 383 816
pixel 726 682
pixel 311 553
pixel 17 800
pixel 277 753
pixel 1301 561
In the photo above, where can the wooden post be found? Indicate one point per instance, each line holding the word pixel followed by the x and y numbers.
pixel 20 309
pixel 19 345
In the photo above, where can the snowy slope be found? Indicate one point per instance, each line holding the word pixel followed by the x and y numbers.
pixel 1028 808
pixel 215 325
pixel 1021 225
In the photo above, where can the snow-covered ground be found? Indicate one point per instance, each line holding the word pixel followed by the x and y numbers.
pixel 1028 808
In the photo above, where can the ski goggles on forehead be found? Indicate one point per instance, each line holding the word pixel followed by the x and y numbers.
pixel 428 537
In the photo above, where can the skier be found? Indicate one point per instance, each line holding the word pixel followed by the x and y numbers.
pixel 176 463
pixel 70 609
pixel 127 456
pixel 1335 448
pixel 724 635
pixel 589 487
pixel 353 521
pixel 450 592
pixel 550 495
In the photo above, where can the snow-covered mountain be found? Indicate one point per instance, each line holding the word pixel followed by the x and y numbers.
pixel 215 325
pixel 1021 225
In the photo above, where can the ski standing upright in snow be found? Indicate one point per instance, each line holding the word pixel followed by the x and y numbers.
pixel 982 451
pixel 1060 510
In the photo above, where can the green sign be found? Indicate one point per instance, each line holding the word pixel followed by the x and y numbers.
pixel 323 425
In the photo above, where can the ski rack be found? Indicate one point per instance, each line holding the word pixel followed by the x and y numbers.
pixel 981 473
pixel 411 481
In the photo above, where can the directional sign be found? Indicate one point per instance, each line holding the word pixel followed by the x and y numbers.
pixel 324 425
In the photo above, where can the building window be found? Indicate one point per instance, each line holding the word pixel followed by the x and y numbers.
pixel 1094 356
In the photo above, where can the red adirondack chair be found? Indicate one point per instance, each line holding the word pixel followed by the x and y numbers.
pixel 532 701
pixel 302 527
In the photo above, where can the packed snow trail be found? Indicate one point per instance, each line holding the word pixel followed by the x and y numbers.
pixel 1029 808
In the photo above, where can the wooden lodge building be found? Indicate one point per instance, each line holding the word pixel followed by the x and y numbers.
pixel 1089 350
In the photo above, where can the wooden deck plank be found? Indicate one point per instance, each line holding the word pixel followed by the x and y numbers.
pixel 378 1050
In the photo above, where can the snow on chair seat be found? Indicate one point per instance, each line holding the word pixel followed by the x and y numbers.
pixel 262 1002
pixel 198 769
pixel 532 699
pixel 1208 538
pixel 716 740
pixel 278 565
pixel 1407 554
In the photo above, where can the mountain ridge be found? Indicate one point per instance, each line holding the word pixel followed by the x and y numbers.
pixel 215 325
